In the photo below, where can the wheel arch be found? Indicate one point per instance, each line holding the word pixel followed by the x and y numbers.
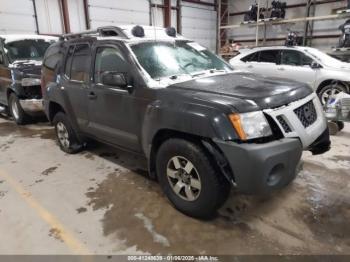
pixel 53 109
pixel 330 82
pixel 219 161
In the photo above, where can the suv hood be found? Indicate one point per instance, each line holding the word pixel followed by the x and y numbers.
pixel 245 91
pixel 29 68
pixel 341 66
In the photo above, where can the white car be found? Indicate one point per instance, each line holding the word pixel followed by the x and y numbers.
pixel 325 74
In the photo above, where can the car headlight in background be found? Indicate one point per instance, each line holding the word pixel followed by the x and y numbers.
pixel 250 125
pixel 31 82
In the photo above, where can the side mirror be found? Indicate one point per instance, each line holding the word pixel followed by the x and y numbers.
pixel 315 65
pixel 114 79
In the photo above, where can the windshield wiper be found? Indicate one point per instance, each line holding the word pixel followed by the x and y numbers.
pixel 211 71
pixel 174 77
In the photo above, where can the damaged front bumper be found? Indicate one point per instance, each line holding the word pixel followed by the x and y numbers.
pixel 32 105
pixel 261 168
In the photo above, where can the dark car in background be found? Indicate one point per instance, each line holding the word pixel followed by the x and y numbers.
pixel 20 74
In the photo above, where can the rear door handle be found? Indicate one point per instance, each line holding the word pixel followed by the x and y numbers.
pixel 250 66
pixel 281 68
pixel 92 96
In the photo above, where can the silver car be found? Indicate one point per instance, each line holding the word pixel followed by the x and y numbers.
pixel 325 74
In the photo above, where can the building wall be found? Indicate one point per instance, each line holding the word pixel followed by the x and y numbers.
pixel 320 27
pixel 11 14
pixel 18 16
pixel 199 23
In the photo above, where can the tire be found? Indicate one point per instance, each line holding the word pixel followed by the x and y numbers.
pixel 189 179
pixel 333 128
pixel 329 90
pixel 66 136
pixel 16 110
pixel 340 125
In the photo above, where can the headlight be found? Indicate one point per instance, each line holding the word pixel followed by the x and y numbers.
pixel 31 82
pixel 250 125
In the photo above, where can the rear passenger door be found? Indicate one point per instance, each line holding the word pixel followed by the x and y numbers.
pixel 76 80
pixel 267 65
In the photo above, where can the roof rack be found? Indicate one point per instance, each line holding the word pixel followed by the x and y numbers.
pixel 101 31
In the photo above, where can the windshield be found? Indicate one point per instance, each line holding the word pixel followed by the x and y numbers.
pixel 163 59
pixel 26 49
pixel 323 57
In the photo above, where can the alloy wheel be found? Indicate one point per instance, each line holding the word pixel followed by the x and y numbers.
pixel 14 109
pixel 331 92
pixel 63 135
pixel 184 178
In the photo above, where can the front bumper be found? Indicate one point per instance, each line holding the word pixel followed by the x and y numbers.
pixel 261 168
pixel 32 105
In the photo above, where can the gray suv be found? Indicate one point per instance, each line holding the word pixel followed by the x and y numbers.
pixel 202 126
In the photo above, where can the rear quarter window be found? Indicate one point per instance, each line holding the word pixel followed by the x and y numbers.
pixel 53 57
pixel 251 57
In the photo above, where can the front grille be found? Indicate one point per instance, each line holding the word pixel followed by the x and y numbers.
pixel 307 114
pixel 32 92
pixel 284 124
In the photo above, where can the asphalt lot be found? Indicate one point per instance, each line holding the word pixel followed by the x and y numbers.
pixel 100 201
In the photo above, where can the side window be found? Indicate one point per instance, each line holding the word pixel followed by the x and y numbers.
pixel 81 60
pixel 52 57
pixel 291 57
pixel 254 57
pixel 306 60
pixel 269 56
pixel 109 59
pixel 68 64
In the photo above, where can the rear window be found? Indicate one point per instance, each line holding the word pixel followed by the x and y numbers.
pixel 254 57
pixel 78 63
pixel 52 57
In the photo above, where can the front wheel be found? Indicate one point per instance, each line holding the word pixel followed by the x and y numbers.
pixel 16 110
pixel 66 137
pixel 329 91
pixel 189 179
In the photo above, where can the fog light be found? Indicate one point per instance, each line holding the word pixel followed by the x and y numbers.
pixel 275 175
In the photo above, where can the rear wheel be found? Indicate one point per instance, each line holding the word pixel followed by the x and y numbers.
pixel 16 110
pixel 66 137
pixel 340 125
pixel 329 91
pixel 189 179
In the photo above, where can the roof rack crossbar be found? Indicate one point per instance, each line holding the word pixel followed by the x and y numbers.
pixel 101 31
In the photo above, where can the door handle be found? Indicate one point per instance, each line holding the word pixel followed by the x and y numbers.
pixel 92 96
pixel 281 68
pixel 250 66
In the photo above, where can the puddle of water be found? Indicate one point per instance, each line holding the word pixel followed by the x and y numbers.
pixel 137 211
pixel 326 210
pixel 10 128
pixel 49 171
pixel 81 210
pixel 56 233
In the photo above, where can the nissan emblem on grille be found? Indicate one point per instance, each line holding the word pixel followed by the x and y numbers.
pixel 307 114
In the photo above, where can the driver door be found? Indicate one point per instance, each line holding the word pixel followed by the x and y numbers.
pixel 112 114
